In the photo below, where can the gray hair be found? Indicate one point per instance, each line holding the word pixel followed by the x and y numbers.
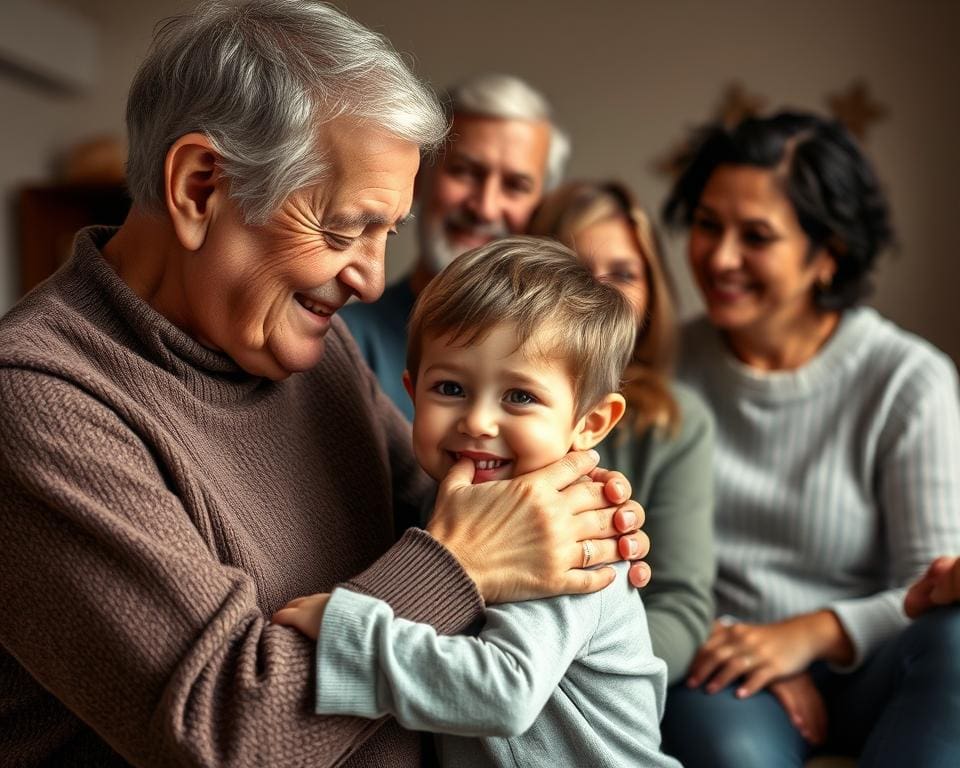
pixel 258 77
pixel 510 98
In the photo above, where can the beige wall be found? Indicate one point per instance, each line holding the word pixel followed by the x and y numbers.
pixel 627 79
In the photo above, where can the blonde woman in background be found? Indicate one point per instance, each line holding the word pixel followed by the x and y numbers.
pixel 664 445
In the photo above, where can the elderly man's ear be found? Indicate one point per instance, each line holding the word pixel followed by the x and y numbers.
pixel 193 186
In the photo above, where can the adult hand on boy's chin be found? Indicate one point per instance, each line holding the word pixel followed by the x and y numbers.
pixel 534 536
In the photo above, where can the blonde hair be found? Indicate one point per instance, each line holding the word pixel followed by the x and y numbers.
pixel 534 284
pixel 580 204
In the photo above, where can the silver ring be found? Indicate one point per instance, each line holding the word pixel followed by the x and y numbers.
pixel 587 552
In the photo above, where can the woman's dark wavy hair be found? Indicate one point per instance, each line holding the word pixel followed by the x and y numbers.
pixel 833 190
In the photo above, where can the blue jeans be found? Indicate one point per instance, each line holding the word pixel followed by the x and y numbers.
pixel 900 708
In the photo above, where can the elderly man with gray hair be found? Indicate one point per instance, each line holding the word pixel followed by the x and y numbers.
pixel 504 151
pixel 189 437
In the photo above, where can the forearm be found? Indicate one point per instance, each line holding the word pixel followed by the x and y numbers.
pixel 422 582
pixel 371 664
pixel 829 638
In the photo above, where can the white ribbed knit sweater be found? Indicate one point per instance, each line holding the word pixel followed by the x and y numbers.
pixel 836 483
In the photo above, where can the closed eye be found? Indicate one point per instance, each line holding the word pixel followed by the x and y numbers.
pixel 338 242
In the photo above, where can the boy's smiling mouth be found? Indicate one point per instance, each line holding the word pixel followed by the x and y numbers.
pixel 486 464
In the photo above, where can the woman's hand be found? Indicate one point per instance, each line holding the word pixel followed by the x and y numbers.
pixel 940 585
pixel 804 706
pixel 303 613
pixel 534 536
pixel 762 653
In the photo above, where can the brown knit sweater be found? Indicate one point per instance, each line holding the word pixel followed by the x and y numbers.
pixel 157 504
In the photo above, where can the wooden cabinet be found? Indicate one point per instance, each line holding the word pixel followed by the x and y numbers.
pixel 49 217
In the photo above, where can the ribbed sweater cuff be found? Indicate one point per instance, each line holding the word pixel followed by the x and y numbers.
pixel 423 582
pixel 346 669
pixel 869 622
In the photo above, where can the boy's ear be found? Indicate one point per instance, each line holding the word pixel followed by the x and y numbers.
pixel 193 186
pixel 598 422
pixel 408 385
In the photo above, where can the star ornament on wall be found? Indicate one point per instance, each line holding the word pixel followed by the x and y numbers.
pixel 856 109
pixel 735 104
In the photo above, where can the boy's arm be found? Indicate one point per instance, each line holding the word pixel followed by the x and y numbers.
pixel 370 663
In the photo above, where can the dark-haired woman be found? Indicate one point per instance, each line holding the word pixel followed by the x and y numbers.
pixel 837 468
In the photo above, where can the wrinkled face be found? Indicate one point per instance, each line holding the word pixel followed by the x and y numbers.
pixel 609 248
pixel 485 186
pixel 265 295
pixel 491 403
pixel 748 253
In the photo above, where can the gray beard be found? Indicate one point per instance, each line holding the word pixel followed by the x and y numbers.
pixel 436 252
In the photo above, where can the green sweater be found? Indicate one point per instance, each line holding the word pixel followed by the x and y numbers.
pixel 673 479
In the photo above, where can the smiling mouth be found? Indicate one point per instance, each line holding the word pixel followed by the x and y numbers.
pixel 480 463
pixel 310 305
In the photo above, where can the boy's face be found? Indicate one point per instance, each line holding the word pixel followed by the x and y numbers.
pixel 489 402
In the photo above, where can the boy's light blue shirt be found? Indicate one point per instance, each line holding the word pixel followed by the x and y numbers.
pixel 570 680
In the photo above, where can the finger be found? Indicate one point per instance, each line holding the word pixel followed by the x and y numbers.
pixel 459 476
pixel 946 581
pixel 288 617
pixel 634 547
pixel 790 702
pixel 940 566
pixel 797 709
pixel 919 598
pixel 639 574
pixel 602 552
pixel 593 523
pixel 707 662
pixel 569 469
pixel 734 668
pixel 587 498
pixel 629 517
pixel 756 680
pixel 617 488
pixel 578 581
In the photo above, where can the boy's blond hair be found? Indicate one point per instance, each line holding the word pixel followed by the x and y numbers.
pixel 533 284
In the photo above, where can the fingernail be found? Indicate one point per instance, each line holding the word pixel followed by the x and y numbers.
pixel 594 455
pixel 630 521
pixel 741 693
pixel 633 547
pixel 618 487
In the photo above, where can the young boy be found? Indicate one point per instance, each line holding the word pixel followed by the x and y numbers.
pixel 515 358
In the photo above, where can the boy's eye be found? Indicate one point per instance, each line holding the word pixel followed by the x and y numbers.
pixel 520 397
pixel 448 389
